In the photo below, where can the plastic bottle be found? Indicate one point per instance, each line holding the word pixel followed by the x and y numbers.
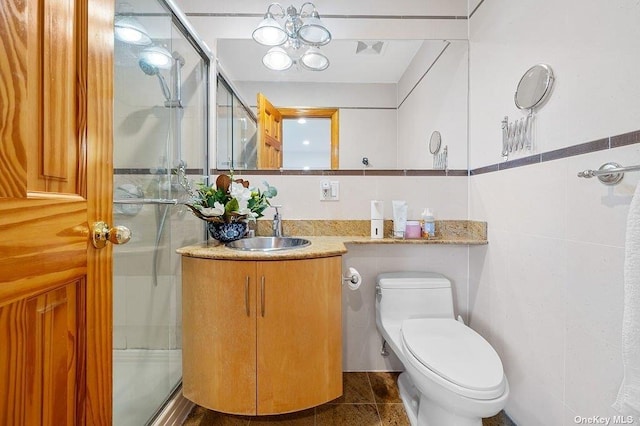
pixel 428 224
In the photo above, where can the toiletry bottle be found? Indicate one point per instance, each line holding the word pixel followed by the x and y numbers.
pixel 429 224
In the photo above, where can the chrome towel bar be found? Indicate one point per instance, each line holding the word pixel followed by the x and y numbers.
pixel 609 173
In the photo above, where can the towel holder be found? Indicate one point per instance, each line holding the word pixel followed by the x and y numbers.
pixel 609 173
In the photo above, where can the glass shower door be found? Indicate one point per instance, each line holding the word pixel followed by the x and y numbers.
pixel 160 123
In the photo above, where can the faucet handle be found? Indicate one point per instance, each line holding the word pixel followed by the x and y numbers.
pixel 277 222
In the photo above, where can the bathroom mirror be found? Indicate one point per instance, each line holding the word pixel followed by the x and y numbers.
pixel 388 97
pixel 434 142
pixel 534 87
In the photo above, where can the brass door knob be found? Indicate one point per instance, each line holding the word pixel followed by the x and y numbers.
pixel 102 234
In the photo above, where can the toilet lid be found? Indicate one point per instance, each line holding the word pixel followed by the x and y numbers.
pixel 455 352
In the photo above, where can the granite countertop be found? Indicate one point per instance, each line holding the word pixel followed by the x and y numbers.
pixel 321 246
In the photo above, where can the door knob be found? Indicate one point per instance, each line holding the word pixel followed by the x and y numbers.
pixel 102 233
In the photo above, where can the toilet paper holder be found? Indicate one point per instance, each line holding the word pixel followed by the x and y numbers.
pixel 353 279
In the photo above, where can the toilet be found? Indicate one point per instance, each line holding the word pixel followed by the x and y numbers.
pixel 452 377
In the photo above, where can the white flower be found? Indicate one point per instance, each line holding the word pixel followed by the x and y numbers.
pixel 241 194
pixel 216 210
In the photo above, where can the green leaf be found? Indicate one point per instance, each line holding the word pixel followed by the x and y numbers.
pixel 232 206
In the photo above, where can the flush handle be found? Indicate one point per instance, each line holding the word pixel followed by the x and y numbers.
pixel 102 234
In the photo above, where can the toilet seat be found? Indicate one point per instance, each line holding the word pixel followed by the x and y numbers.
pixel 460 358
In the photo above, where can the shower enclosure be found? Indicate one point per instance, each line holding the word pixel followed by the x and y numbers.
pixel 236 127
pixel 160 123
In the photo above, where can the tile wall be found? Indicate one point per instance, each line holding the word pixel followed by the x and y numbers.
pixel 547 290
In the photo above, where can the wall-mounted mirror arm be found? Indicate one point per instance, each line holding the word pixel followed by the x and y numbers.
pixel 534 89
pixel 440 161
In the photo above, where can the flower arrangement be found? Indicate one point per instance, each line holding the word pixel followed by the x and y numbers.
pixel 229 201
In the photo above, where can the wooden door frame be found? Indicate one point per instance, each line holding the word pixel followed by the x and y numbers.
pixel 331 113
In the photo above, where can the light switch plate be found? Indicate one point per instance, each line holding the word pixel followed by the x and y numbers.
pixel 329 190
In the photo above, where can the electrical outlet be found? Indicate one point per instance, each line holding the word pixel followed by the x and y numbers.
pixel 329 190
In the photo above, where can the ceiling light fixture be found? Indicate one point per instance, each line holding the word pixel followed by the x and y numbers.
pixel 298 38
pixel 129 30
pixel 157 56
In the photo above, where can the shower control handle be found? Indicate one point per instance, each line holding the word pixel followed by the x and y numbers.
pixel 102 234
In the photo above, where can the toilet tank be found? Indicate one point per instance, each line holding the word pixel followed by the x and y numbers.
pixel 405 295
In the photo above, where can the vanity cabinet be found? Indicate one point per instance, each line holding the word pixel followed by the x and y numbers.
pixel 262 337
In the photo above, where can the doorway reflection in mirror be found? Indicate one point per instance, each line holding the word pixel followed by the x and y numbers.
pixel 307 143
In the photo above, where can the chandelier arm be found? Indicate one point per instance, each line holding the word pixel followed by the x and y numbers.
pixel 304 15
pixel 282 13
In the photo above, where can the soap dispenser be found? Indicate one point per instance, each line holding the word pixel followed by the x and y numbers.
pixel 377 219
pixel 428 224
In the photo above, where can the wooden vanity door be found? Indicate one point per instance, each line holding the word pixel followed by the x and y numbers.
pixel 299 334
pixel 219 334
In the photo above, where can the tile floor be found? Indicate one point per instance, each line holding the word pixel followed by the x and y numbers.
pixel 369 398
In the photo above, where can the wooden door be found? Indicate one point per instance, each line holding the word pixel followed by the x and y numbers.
pixel 269 135
pixel 299 334
pixel 219 334
pixel 55 180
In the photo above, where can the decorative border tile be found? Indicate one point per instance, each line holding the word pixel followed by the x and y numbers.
pixel 147 171
pixel 611 142
pixel 519 162
pixel 348 172
pixel 583 148
pixel 625 139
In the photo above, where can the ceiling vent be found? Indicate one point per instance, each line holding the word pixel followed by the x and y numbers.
pixel 370 47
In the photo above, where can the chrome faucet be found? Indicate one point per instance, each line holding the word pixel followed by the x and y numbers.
pixel 276 226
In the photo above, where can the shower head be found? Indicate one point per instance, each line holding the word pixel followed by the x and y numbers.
pixel 147 68
pixel 150 69
pixel 154 59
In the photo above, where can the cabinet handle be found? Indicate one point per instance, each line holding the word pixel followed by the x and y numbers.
pixel 262 295
pixel 246 296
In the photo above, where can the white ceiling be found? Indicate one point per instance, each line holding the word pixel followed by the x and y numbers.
pixel 242 61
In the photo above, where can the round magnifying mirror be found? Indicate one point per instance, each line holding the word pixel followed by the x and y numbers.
pixel 434 142
pixel 534 86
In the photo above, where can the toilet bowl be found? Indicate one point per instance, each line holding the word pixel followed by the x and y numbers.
pixel 452 375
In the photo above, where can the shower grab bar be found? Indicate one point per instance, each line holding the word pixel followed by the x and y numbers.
pixel 172 201
pixel 609 173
